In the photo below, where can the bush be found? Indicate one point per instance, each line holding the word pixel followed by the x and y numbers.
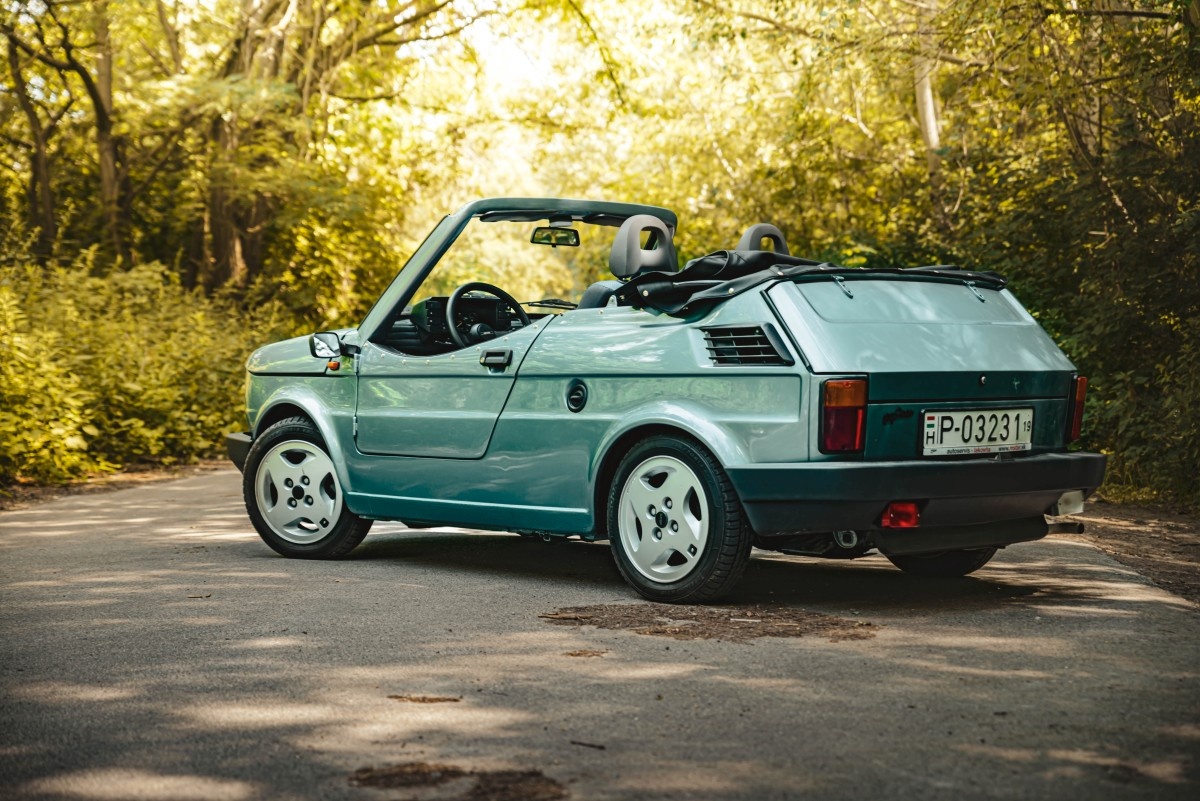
pixel 104 368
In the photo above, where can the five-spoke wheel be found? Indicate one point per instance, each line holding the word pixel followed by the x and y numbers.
pixel 294 496
pixel 675 524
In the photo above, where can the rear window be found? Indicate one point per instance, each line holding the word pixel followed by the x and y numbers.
pixel 908 301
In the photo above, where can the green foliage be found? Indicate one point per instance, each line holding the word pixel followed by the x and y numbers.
pixel 288 157
pixel 43 403
pixel 107 367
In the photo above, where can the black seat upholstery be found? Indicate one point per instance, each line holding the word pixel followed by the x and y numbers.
pixel 755 234
pixel 628 258
pixel 598 294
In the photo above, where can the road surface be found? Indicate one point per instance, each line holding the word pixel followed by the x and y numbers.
pixel 154 648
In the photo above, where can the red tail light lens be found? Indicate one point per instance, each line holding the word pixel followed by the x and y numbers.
pixel 843 415
pixel 901 514
pixel 1078 396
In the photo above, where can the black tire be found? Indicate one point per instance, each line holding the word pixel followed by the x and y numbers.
pixel 294 497
pixel 678 565
pixel 944 564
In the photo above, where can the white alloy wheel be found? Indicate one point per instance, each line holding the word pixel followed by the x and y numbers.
pixel 663 519
pixel 297 492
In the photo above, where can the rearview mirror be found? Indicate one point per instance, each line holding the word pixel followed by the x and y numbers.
pixel 325 345
pixel 555 237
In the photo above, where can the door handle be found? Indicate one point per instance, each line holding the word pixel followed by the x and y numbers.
pixel 496 359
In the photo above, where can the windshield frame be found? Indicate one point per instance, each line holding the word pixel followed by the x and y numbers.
pixel 425 258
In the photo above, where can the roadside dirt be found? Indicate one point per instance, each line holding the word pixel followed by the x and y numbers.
pixel 19 496
pixel 1161 544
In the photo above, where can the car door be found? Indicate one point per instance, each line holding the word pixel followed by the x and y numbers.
pixel 443 406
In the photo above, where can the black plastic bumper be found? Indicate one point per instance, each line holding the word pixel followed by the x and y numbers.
pixel 238 448
pixel 785 499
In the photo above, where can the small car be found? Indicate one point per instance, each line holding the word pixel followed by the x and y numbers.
pixel 751 399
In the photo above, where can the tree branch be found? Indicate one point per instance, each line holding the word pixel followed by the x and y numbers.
pixel 171 33
pixel 605 56
pixel 1107 12
pixel 787 28
pixel 171 145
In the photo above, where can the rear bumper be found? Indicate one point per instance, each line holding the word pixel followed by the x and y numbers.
pixel 789 499
pixel 238 448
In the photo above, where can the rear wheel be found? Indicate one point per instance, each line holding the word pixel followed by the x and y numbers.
pixel 675 523
pixel 944 564
pixel 294 497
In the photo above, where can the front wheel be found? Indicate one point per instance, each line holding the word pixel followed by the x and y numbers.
pixel 294 497
pixel 675 524
pixel 945 564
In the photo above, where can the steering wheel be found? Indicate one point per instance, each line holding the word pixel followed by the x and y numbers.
pixel 463 340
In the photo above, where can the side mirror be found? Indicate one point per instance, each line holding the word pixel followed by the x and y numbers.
pixel 325 345
pixel 555 237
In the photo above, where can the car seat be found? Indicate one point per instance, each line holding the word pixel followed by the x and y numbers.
pixel 755 234
pixel 628 258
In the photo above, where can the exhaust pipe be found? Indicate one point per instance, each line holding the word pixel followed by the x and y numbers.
pixel 846 539
pixel 1064 528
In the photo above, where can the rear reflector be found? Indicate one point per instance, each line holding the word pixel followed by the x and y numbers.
pixel 843 415
pixel 901 514
pixel 1078 396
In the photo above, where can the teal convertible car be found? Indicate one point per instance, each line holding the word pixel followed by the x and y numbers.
pixel 751 399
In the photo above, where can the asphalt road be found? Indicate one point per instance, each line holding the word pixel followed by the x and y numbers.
pixel 153 648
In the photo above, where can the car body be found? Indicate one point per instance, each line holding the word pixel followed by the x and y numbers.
pixel 752 399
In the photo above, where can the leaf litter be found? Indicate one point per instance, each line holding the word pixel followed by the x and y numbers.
pixel 427 699
pixel 712 622
pixel 478 785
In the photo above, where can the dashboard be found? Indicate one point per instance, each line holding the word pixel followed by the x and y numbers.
pixel 429 316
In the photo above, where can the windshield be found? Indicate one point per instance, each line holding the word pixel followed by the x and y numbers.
pixel 501 253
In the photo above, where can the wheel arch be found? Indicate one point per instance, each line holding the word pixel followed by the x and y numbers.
pixel 281 411
pixel 303 402
pixel 707 436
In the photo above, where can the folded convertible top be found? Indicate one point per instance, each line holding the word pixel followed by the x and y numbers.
pixel 711 279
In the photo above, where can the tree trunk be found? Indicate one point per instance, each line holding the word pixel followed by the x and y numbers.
pixel 927 113
pixel 41 204
pixel 224 262
pixel 108 151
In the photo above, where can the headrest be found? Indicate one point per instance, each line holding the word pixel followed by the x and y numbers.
pixel 755 234
pixel 627 258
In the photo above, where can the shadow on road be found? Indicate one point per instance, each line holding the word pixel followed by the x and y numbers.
pixel 155 649
pixel 869 584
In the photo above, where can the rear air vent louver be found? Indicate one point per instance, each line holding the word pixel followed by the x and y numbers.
pixel 750 344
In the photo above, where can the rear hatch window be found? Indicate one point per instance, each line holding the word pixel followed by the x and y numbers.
pixel 908 301
pixel 906 325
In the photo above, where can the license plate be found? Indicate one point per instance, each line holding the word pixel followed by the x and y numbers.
pixel 977 431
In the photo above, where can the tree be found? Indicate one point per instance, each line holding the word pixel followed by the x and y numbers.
pixel 43 33
pixel 42 122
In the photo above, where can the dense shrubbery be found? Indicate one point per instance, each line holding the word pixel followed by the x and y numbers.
pixel 102 368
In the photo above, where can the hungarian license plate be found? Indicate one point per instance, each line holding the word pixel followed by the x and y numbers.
pixel 978 431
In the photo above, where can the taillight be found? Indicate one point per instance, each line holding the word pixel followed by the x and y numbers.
pixel 1078 396
pixel 843 415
